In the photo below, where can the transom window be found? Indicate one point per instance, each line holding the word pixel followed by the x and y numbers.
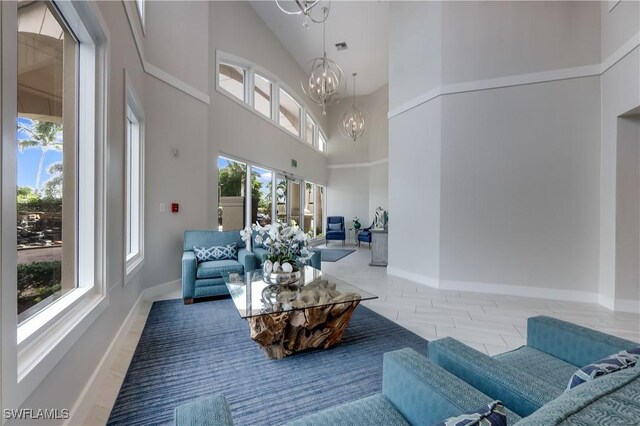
pixel 268 97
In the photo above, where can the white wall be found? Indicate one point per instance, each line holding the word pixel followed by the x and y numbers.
pixel 519 190
pixel 237 29
pixel 358 171
pixel 620 94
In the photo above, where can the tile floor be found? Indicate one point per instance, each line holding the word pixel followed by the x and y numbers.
pixel 489 323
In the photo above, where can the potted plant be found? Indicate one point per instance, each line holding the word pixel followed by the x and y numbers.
pixel 287 244
pixel 356 223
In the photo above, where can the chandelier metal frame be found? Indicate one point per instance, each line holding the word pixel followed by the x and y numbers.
pixel 353 121
pixel 326 79
pixel 305 8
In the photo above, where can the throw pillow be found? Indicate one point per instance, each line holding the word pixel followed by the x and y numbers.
pixel 610 364
pixel 492 414
pixel 204 254
pixel 334 226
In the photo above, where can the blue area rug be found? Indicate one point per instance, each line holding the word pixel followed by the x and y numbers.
pixel 188 351
pixel 333 255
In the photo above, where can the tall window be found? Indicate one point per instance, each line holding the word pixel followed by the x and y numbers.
pixel 232 79
pixel 134 154
pixel 310 132
pixel 308 208
pixel 232 176
pixel 319 216
pixel 262 95
pixel 289 113
pixel 46 158
pixel 322 143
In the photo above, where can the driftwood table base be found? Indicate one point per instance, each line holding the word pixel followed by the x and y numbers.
pixel 284 333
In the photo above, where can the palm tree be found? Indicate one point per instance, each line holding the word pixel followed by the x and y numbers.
pixel 53 187
pixel 43 135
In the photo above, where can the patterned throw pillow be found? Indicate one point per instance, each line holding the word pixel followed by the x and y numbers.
pixel 204 254
pixel 610 364
pixel 492 414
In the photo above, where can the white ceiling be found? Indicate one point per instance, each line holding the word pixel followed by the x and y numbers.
pixel 362 24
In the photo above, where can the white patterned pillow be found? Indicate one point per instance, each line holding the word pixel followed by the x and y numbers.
pixel 204 254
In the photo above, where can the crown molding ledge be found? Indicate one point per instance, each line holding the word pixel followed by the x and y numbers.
pixel 356 165
pixel 171 80
pixel 594 70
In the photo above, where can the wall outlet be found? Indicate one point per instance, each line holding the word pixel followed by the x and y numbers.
pixel 163 207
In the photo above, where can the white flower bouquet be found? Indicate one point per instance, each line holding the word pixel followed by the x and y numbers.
pixel 286 245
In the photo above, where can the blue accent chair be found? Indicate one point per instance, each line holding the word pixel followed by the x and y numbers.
pixel 531 376
pixel 205 279
pixel 335 229
pixel 261 253
pixel 364 236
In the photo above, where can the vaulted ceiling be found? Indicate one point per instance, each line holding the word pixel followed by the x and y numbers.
pixel 363 25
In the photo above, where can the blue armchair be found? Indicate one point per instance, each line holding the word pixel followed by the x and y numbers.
pixel 204 279
pixel 335 229
pixel 364 235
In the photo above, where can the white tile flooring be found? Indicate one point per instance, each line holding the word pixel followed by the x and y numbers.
pixel 489 323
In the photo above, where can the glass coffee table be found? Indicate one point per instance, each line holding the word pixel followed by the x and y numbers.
pixel 285 319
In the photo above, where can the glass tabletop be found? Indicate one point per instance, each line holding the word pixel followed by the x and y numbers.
pixel 253 297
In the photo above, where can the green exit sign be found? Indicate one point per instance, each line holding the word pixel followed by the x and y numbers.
pixel 294 163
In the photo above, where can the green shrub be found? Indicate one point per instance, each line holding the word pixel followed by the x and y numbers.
pixel 37 281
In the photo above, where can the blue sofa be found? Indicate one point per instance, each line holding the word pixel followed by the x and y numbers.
pixel 335 229
pixel 205 279
pixel 417 391
pixel 531 376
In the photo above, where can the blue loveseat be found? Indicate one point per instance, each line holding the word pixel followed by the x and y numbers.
pixel 204 279
pixel 417 391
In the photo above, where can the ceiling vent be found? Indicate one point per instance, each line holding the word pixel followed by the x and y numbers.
pixel 342 45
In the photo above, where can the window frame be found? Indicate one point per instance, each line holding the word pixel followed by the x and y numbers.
pixel 308 119
pixel 133 113
pixel 31 350
pixel 140 8
pixel 271 100
pixel 251 70
pixel 247 84
pixel 322 148
pixel 301 111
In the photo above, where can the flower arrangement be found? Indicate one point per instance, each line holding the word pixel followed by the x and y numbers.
pixel 356 223
pixel 286 244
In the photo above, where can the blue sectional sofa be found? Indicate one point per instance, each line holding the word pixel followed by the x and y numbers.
pixel 417 391
pixel 204 279
pixel 529 377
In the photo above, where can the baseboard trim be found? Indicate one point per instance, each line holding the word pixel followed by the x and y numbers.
pixel 522 291
pixel 412 276
pixel 627 305
pixel 89 393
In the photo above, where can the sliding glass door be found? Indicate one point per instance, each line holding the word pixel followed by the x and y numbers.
pixel 272 196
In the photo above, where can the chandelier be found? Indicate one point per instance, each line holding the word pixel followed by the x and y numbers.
pixel 305 8
pixel 326 79
pixel 353 120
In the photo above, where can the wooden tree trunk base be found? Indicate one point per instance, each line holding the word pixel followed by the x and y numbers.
pixel 285 333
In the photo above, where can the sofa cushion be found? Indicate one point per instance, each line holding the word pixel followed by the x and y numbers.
pixel 260 253
pixel 492 414
pixel 611 400
pixel 229 251
pixel 211 238
pixel 539 364
pixel 335 226
pixel 610 364
pixel 218 268
pixel 375 410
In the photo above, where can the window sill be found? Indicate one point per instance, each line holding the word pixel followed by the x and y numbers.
pixel 132 267
pixel 40 351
